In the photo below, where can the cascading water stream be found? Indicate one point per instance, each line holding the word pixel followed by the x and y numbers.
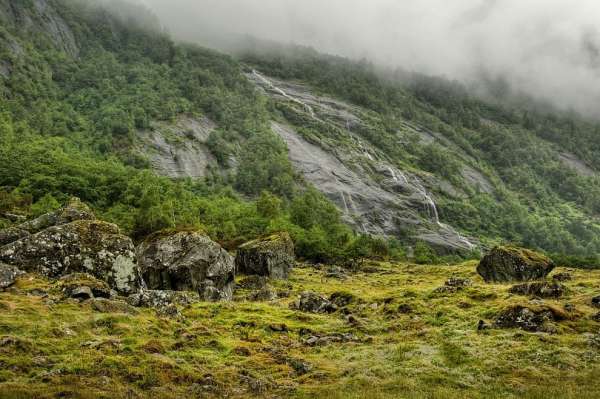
pixel 283 93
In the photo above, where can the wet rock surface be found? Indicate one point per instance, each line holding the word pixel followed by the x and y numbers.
pixel 272 256
pixel 506 264
pixel 187 261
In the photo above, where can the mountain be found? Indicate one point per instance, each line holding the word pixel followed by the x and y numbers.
pixel 98 102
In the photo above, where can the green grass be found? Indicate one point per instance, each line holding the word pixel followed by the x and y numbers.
pixel 227 349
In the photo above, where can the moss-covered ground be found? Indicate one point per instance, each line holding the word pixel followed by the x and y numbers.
pixel 407 342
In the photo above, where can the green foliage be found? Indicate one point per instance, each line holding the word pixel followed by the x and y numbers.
pixel 423 254
pixel 44 205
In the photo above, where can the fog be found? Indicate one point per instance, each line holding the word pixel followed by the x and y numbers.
pixel 546 48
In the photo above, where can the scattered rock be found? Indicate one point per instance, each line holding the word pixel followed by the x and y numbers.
pixel 158 298
pixel 458 282
pixel 482 325
pixel 169 311
pixel 278 327
pixel 319 340
pixel 539 289
pixel 103 305
pixel 505 264
pixel 85 246
pixel 530 318
pixel 8 275
pixel 336 272
pixel 300 366
pixel 446 289
pixel 596 317
pixel 12 234
pixel 272 256
pixel 81 293
pixel 564 276
pixel 187 261
pixel 596 301
pixel 266 293
pixel 74 210
pixel 314 303
pixel 342 299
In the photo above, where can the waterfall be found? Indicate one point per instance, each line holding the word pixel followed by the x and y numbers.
pixel 344 200
pixel 431 207
pixel 283 93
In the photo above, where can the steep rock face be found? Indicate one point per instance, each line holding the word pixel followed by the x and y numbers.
pixel 179 150
pixel 272 256
pixel 86 246
pixel 374 195
pixel 39 17
pixel 187 261
pixel 505 264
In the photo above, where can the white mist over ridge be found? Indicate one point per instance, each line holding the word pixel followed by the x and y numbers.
pixel 546 48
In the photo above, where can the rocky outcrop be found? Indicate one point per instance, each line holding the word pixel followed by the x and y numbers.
pixel 272 256
pixel 539 289
pixel 179 149
pixel 8 275
pixel 506 264
pixel 72 211
pixel 187 261
pixel 313 303
pixel 86 246
pixel 530 318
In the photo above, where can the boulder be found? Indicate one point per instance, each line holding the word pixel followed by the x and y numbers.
pixel 12 234
pixel 529 318
pixel 84 246
pixel 539 289
pixel 314 303
pixel 505 264
pixel 187 261
pixel 564 276
pixel 70 212
pixel 8 275
pixel 272 256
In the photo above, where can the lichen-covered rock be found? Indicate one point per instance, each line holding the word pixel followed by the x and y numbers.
pixel 12 234
pixel 8 275
pixel 505 264
pixel 162 298
pixel 540 289
pixel 84 246
pixel 187 261
pixel 314 303
pixel 530 318
pixel 70 212
pixel 272 256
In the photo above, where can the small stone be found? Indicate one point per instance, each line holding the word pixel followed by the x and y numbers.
pixel 278 327
pixel 458 282
pixel 539 289
pixel 482 325
pixel 8 275
pixel 596 301
pixel 82 293
pixel 314 303
pixel 405 308
pixel 242 351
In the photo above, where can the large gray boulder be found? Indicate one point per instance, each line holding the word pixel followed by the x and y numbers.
pixel 83 246
pixel 507 263
pixel 187 261
pixel 272 256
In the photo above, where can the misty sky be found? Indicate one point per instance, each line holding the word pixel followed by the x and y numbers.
pixel 548 48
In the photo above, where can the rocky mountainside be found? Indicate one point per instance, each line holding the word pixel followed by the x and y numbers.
pixel 414 161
